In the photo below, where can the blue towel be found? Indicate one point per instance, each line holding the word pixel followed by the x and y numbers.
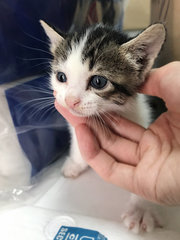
pixel 43 134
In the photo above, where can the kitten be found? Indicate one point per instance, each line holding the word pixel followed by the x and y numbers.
pixel 99 70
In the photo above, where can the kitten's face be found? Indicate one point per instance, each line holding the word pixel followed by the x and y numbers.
pixel 84 79
pixel 98 70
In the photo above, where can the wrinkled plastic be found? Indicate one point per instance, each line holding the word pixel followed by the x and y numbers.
pixel 32 134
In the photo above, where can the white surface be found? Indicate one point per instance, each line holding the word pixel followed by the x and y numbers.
pixel 76 199
pixel 30 223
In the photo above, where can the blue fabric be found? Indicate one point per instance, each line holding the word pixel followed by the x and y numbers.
pixel 24 52
pixel 21 35
pixel 43 134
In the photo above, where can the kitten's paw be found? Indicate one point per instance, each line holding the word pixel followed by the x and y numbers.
pixel 73 169
pixel 141 220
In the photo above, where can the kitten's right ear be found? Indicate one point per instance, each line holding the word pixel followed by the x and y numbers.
pixel 53 36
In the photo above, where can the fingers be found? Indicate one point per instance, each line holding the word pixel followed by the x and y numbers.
pixel 73 120
pixel 120 148
pixel 123 150
pixel 126 128
pixel 103 163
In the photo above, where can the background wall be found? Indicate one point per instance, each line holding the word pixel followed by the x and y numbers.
pixel 137 14
pixel 171 19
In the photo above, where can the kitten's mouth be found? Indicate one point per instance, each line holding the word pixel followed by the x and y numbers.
pixel 87 112
pixel 77 113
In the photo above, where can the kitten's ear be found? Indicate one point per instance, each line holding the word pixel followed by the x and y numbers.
pixel 53 36
pixel 142 50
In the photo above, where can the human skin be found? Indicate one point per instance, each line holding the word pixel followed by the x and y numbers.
pixel 143 161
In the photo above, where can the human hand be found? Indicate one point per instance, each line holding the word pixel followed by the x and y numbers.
pixel 143 161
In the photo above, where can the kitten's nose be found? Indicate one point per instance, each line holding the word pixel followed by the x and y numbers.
pixel 72 101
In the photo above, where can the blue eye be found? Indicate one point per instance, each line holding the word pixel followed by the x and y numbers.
pixel 98 82
pixel 61 77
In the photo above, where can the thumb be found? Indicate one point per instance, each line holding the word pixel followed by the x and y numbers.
pixel 92 153
pixel 162 81
pixel 88 143
pixel 152 82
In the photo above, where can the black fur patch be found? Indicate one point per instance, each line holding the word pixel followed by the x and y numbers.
pixel 122 89
pixel 99 40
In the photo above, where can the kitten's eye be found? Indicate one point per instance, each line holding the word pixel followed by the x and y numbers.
pixel 98 82
pixel 61 77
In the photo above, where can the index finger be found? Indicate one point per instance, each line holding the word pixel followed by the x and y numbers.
pixel 104 164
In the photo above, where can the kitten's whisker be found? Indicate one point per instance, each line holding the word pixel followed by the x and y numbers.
pixel 46 111
pixel 89 120
pixel 35 49
pixel 99 114
pixel 42 88
pixel 95 122
pixel 42 105
pixel 109 116
pixel 45 89
pixel 35 100
pixel 35 38
pixel 35 59
pixel 42 70
pixel 39 64
pixel 36 106
pixel 103 124
pixel 35 113
pixel 36 90
pixel 33 107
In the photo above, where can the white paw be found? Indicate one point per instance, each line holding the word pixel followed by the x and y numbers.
pixel 73 169
pixel 141 220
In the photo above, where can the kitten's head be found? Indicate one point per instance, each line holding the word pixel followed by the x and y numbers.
pixel 98 69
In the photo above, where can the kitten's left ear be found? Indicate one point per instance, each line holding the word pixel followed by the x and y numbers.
pixel 54 37
pixel 143 50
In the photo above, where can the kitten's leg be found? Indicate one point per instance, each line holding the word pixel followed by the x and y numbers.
pixel 141 215
pixel 74 163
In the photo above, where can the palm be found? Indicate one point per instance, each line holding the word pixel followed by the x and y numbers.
pixel 156 166
pixel 159 148
pixel 145 161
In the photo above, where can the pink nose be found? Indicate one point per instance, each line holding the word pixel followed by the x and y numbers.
pixel 72 101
